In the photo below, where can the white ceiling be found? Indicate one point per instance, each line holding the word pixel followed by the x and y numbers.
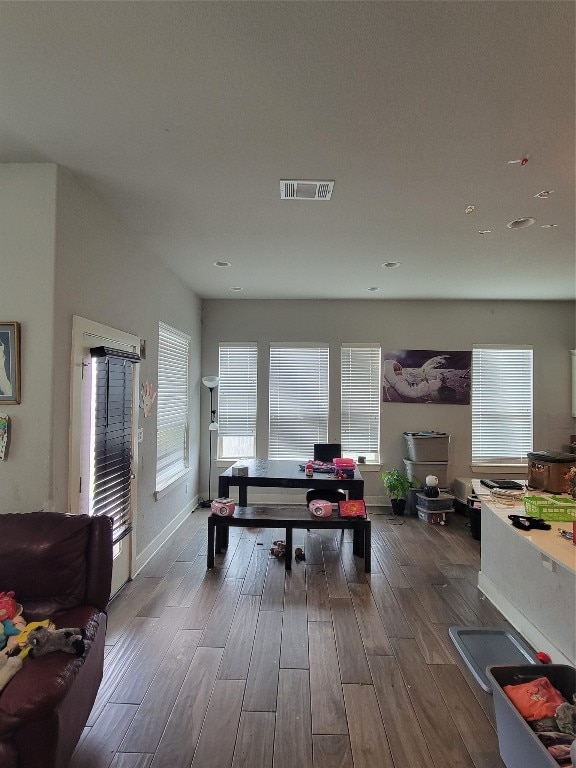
pixel 184 116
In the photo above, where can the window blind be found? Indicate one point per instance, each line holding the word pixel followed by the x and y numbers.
pixel 298 400
pixel 172 399
pixel 501 405
pixel 112 415
pixel 360 401
pixel 237 400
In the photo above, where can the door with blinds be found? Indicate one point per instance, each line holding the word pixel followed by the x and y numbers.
pixel 104 433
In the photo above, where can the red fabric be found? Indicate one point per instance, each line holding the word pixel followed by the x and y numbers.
pixel 536 699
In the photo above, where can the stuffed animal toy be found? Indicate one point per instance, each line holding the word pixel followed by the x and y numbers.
pixel 431 488
pixel 16 645
pixel 8 668
pixel 9 608
pixel 7 630
pixel 278 548
pixel 42 640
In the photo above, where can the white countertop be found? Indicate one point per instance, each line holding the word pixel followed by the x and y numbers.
pixel 550 543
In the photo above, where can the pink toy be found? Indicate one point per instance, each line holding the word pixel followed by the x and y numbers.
pixel 344 463
pixel 223 507
pixel 320 508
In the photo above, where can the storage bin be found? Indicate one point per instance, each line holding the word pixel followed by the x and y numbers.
pixel 436 504
pixel 519 745
pixel 432 517
pixel 556 508
pixel 427 446
pixel 546 470
pixel 417 470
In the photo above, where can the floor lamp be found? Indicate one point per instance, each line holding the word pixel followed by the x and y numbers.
pixel 211 382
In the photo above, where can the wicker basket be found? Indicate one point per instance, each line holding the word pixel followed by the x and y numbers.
pixel 559 509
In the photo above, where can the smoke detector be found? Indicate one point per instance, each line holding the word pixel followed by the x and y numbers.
pixel 292 189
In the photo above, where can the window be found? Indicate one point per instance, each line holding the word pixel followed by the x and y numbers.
pixel 298 400
pixel 237 392
pixel 501 405
pixel 360 401
pixel 172 426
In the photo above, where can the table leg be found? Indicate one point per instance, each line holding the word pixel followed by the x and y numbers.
pixel 288 553
pixel 210 553
pixel 223 487
pixel 242 495
pixel 356 493
pixel 358 545
pixel 367 546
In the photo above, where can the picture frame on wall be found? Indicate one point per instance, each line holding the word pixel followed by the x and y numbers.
pixel 9 363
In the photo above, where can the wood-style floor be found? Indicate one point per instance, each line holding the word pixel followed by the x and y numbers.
pixel 323 667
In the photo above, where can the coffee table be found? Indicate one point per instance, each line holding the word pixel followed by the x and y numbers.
pixel 288 518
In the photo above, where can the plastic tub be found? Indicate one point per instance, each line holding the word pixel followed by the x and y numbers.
pixel 519 746
pixel 417 470
pixel 427 446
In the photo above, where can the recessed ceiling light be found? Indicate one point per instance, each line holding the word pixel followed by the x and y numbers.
pixel 548 226
pixel 390 264
pixel 544 194
pixel 374 288
pixel 470 209
pixel 484 231
pixel 222 264
pixel 527 221
pixel 236 288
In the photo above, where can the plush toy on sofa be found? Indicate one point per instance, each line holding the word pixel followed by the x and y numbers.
pixel 8 668
pixel 17 645
pixel 9 608
pixel 42 640
pixel 7 630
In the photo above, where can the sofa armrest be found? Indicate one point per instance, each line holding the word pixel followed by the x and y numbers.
pixel 99 576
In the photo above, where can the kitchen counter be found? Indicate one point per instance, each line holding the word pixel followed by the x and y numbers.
pixel 530 576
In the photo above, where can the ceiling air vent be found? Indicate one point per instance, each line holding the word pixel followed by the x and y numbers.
pixel 290 189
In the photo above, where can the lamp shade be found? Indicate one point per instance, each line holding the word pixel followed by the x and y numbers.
pixel 210 381
pixel 213 426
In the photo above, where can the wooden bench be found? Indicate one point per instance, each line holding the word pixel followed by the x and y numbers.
pixel 288 518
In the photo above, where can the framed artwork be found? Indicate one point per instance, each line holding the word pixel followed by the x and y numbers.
pixel 9 363
pixel 426 376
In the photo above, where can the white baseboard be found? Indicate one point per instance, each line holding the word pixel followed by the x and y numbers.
pixel 157 542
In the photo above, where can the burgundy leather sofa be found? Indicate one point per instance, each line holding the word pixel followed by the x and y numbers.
pixel 59 567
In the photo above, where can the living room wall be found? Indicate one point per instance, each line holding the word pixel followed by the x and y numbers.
pixel 434 325
pixel 68 255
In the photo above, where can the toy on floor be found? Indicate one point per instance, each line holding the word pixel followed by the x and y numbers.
pixel 278 548
pixel 42 640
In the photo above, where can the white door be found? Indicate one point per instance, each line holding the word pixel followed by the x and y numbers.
pixel 104 428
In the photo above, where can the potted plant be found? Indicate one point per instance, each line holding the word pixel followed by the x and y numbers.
pixel 397 486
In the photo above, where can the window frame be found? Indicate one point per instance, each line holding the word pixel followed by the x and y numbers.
pixel 176 415
pixel 518 406
pixel 243 389
pixel 300 394
pixel 356 374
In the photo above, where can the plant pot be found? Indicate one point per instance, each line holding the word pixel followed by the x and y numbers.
pixel 398 506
